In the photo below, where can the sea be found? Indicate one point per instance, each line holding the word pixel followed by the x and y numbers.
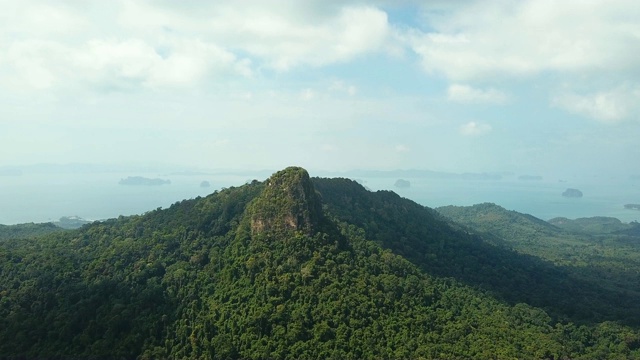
pixel 44 197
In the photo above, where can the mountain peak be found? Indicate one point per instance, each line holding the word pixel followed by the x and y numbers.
pixel 288 202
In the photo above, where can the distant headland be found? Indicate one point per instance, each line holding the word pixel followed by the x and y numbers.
pixel 139 180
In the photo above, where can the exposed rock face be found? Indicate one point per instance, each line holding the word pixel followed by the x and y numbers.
pixel 572 193
pixel 288 202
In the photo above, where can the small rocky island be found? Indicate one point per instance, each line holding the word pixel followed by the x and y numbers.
pixel 632 206
pixel 401 183
pixel 140 180
pixel 205 184
pixel 572 193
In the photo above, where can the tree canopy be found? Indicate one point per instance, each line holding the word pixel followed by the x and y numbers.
pixel 334 271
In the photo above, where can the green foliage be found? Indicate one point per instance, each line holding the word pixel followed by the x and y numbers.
pixel 202 280
pixel 599 259
pixel 592 225
pixel 29 230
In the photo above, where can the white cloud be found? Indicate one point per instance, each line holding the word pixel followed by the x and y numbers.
pixel 116 64
pixel 610 106
pixel 402 148
pixel 484 40
pixel 127 45
pixel 40 18
pixel 281 34
pixel 284 43
pixel 467 94
pixel 475 129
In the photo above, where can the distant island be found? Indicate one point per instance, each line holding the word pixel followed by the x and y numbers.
pixel 139 180
pixel 401 183
pixel 632 206
pixel 530 177
pixel 572 193
pixel 205 184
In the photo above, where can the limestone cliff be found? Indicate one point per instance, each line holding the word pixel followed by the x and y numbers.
pixel 288 202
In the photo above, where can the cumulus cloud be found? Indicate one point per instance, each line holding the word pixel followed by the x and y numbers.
pixel 117 64
pixel 467 94
pixel 475 129
pixel 281 34
pixel 610 106
pixel 41 18
pixel 482 40
pixel 125 45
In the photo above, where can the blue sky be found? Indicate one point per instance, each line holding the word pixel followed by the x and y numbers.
pixel 531 87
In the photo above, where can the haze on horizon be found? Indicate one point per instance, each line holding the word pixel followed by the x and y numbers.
pixel 533 87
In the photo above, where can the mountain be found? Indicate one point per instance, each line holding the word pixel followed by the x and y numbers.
pixel 291 267
pixel 516 257
pixel 599 257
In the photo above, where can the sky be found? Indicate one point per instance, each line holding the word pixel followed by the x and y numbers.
pixel 532 87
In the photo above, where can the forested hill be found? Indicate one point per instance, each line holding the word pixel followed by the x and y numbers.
pixel 598 253
pixel 597 225
pixel 492 218
pixel 22 231
pixel 287 268
pixel 505 252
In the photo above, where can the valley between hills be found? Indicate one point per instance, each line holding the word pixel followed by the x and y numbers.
pixel 295 267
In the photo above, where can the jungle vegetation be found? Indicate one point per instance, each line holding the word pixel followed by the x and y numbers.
pixel 294 267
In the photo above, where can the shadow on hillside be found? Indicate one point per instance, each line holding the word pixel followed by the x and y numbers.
pixel 427 240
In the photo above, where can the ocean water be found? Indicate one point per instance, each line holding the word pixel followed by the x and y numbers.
pixel 47 197
pixel 541 199
pixel 97 196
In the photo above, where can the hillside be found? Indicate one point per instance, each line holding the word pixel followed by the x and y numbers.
pixel 595 252
pixel 596 225
pixel 291 267
pixel 29 230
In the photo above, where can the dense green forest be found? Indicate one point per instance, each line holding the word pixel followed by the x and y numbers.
pixel 294 267
pixel 598 253
pixel 22 231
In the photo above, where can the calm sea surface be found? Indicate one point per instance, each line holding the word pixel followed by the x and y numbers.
pixel 540 199
pixel 47 197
